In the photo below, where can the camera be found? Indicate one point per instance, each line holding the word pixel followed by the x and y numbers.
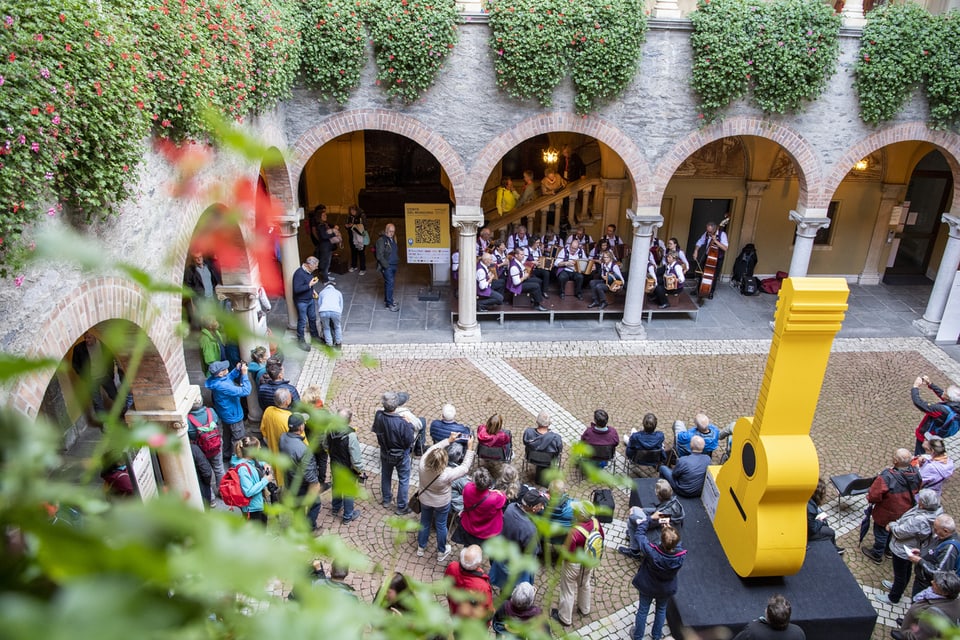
pixel 274 492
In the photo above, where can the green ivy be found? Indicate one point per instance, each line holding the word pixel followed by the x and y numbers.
pixel 273 29
pixel 70 98
pixel 607 51
pixel 785 50
pixel 535 42
pixel 411 40
pixel 942 74
pixel 891 61
pixel 333 43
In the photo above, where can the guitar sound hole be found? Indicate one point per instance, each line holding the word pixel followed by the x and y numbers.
pixel 748 459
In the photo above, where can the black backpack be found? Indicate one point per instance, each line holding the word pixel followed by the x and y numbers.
pixel 745 264
pixel 749 286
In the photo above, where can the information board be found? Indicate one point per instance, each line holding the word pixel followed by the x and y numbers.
pixel 428 233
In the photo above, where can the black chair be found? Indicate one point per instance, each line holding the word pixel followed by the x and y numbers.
pixel 496 454
pixel 540 460
pixel 651 458
pixel 850 484
pixel 601 453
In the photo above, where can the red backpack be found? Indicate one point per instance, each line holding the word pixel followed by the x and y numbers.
pixel 208 436
pixel 230 490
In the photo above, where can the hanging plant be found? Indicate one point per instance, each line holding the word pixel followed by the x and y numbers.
pixel 891 61
pixel 786 51
pixel 411 41
pixel 273 30
pixel 607 51
pixel 942 72
pixel 722 42
pixel 333 47
pixel 71 94
pixel 796 45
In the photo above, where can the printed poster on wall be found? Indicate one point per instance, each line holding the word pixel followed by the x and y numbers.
pixel 428 233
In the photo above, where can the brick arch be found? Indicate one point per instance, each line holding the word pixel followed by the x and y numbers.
pixel 802 153
pixel 947 143
pixel 279 181
pixel 100 300
pixel 235 235
pixel 378 120
pixel 591 126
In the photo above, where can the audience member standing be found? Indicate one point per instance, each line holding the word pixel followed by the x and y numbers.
pixel 301 477
pixel 344 447
pixel 304 296
pixel 576 579
pixel 227 387
pixel 656 580
pixel 436 478
pixel 395 436
pixel 388 260
pixel 891 494
pixel 329 312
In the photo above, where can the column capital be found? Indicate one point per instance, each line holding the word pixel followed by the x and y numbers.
pixel 645 220
pixel 243 297
pixel 808 225
pixel 756 187
pixel 954 222
pixel 290 223
pixel 468 219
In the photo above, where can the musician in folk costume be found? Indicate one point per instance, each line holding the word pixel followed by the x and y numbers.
pixel 534 252
pixel 674 245
pixel 670 280
pixel 713 236
pixel 489 289
pixel 566 268
pixel 610 275
pixel 519 280
pixel 500 257
pixel 518 239
pixel 581 236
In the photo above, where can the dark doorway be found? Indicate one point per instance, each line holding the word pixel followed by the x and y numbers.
pixel 705 210
pixel 929 193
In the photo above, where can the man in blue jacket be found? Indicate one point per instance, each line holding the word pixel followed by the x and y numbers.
pixel 303 297
pixel 227 387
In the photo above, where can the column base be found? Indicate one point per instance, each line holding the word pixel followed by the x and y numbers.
pixel 927 327
pixel 869 279
pixel 631 331
pixel 466 334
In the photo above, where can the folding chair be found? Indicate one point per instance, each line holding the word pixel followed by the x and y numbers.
pixel 850 484
pixel 601 453
pixel 651 458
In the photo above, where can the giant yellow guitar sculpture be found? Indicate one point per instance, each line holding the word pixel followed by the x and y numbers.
pixel 773 467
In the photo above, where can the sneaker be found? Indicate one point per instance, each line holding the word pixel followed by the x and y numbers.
pixel 883 598
pixel 353 516
pixel 887 584
pixel 887 553
pixel 352 269
pixel 627 551
pixel 402 512
pixel 555 614
pixel 386 503
pixel 421 551
pixel 867 551
pixel 443 555
pixel 303 345
pixel 362 272
pixel 841 551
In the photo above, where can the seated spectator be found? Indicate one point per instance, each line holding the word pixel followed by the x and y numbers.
pixel 492 435
pixel 647 440
pixel 775 624
pixel 817 527
pixel 542 440
pixel 509 482
pixel 938 601
pixel 935 466
pixel 702 427
pixel 687 477
pixel 441 429
pixel 273 380
pixel 560 511
pixel 397 591
pixel 520 608
pixel 598 434
pixel 455 455
pixel 338 573
pixel 482 516
pixel 668 510
pixel 468 576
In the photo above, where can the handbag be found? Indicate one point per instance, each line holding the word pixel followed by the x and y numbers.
pixel 414 501
pixel 366 239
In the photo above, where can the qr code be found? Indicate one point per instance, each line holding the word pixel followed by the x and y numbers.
pixel 426 231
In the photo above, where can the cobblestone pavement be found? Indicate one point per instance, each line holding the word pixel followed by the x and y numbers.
pixel 863 414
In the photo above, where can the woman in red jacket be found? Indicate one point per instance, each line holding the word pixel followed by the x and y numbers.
pixel 482 516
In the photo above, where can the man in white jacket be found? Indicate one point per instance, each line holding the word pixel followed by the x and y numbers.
pixel 329 310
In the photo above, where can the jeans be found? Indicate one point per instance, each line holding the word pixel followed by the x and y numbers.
pixel 880 539
pixel 430 516
pixel 340 500
pixel 358 256
pixel 403 479
pixel 216 465
pixel 313 512
pixel 659 616
pixel 306 316
pixel 330 321
pixel 902 569
pixel 231 434
pixel 499 572
pixel 389 276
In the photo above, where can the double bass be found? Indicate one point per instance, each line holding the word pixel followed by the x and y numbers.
pixel 710 261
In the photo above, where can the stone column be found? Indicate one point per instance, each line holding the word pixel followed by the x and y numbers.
pixel 852 14
pixel 467 219
pixel 807 227
pixel 244 301
pixel 751 211
pixel 873 265
pixel 645 221
pixel 930 321
pixel 584 204
pixel 290 259
pixel 179 474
